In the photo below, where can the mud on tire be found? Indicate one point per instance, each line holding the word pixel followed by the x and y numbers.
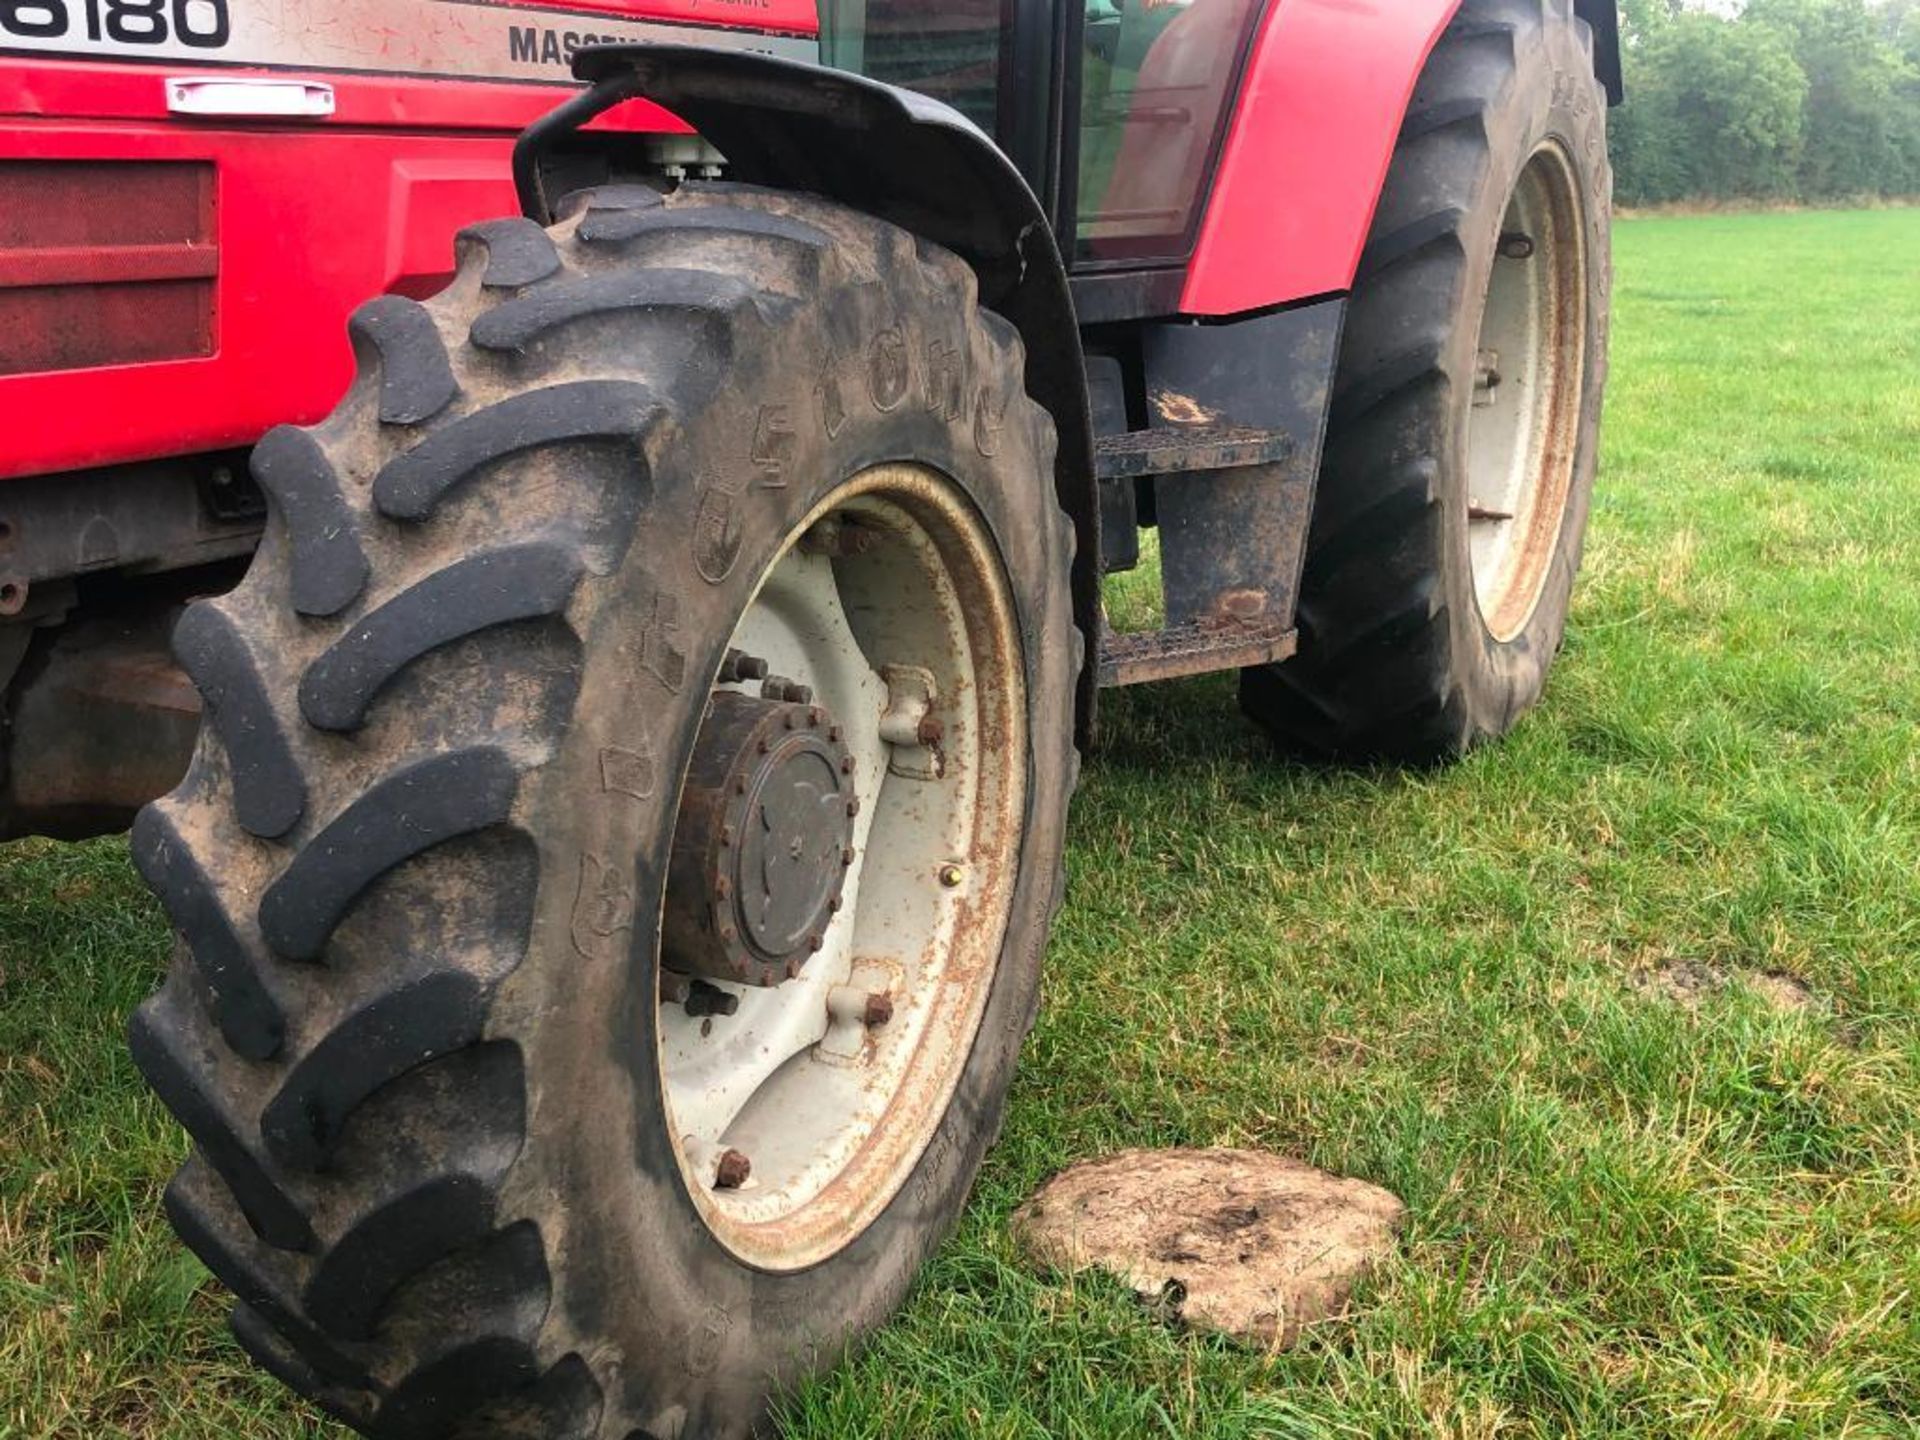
pixel 416 862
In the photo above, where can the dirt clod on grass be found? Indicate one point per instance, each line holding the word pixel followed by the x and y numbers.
pixel 1251 1245
pixel 1691 983
pixel 1783 992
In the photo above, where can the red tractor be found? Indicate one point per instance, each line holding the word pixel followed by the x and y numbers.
pixel 642 686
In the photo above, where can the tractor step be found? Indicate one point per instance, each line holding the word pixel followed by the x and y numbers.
pixel 1185 450
pixel 1197 648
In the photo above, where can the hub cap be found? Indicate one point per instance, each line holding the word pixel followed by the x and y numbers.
pixel 1524 423
pixel 763 846
pixel 842 868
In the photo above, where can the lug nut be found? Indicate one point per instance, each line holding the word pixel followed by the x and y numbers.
pixel 870 1008
pixel 705 999
pixel 741 666
pixel 732 1170
pixel 836 537
pixel 778 687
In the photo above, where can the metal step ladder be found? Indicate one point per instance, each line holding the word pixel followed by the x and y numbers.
pixel 1221 639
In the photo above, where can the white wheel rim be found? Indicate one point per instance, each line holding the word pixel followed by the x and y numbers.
pixel 833 1113
pixel 1524 420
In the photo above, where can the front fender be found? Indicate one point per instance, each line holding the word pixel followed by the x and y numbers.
pixel 892 154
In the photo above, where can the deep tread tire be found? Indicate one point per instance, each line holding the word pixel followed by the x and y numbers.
pixel 1395 660
pixel 409 1023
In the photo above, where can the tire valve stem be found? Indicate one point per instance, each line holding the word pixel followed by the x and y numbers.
pixel 1516 245
pixel 1486 378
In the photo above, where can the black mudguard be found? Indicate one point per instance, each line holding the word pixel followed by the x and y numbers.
pixel 890 153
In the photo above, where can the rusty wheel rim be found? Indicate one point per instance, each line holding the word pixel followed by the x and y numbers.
pixel 799 1109
pixel 1523 422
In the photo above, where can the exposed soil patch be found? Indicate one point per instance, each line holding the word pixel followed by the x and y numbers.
pixel 1783 992
pixel 1692 982
pixel 1251 1245
pixel 1685 982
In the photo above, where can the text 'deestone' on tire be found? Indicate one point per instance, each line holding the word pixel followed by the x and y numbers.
pixel 613 876
pixel 1465 419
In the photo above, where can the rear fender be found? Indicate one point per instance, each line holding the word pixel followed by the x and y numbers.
pixel 889 153
pixel 1307 149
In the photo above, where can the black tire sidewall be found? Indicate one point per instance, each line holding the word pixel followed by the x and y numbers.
pixel 1553 98
pixel 691 1338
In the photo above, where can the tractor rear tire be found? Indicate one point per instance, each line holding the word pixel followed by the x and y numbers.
pixel 1428 621
pixel 418 867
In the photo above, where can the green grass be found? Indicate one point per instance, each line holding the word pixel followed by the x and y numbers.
pixel 1628 1217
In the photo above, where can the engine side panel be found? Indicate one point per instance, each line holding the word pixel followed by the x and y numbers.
pixel 216 305
pixel 1307 150
pixel 307 226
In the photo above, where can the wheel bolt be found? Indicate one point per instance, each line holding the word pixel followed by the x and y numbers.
pixel 741 666
pixel 870 1008
pixel 836 537
pixel 778 687
pixel 732 1170
pixel 704 999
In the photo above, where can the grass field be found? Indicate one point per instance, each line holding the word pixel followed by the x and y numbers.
pixel 1630 1216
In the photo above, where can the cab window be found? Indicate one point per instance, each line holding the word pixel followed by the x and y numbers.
pixel 1155 79
pixel 952 52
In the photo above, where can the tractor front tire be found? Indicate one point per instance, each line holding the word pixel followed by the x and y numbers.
pixel 468 1153
pixel 1464 428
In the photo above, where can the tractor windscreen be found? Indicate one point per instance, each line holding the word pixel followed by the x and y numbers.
pixel 1155 79
pixel 951 51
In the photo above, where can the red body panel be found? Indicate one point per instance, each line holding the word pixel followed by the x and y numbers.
pixel 1307 149
pixel 309 225
pixel 309 218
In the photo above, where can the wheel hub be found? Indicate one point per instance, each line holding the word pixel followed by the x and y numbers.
pixel 763 844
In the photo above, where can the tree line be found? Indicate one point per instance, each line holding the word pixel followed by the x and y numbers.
pixel 1791 100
